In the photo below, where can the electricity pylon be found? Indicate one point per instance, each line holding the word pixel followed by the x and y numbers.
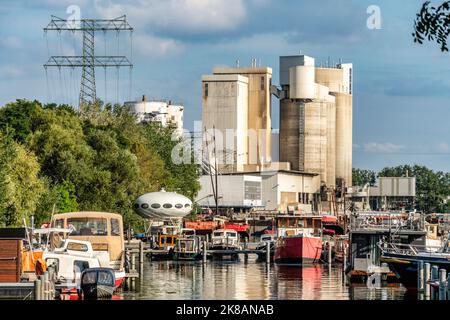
pixel 88 61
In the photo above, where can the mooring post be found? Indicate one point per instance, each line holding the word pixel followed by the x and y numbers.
pixel 420 276
pixel 141 259
pixel 434 278
pixel 442 284
pixel 245 243
pixel 46 286
pixel 227 241
pixel 426 280
pixel 133 268
pixel 204 251
pixel 268 252
pixel 329 253
pixel 37 289
pixel 448 287
pixel 344 258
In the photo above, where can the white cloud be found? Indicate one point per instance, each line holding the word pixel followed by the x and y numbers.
pixel 150 46
pixel 10 42
pixel 443 147
pixel 376 147
pixel 188 16
pixel 9 71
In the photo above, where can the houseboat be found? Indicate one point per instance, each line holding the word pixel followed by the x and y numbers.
pixel 299 239
pixel 368 229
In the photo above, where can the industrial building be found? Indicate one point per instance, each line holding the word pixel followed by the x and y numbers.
pixel 313 155
pixel 389 193
pixel 236 102
pixel 163 112
pixel 316 118
pixel 280 191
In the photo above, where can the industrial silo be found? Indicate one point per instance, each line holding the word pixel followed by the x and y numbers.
pixel 344 139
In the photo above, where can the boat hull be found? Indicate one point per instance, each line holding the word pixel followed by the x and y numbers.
pixel 405 267
pixel 298 250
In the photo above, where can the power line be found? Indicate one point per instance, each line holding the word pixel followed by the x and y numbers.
pixel 88 61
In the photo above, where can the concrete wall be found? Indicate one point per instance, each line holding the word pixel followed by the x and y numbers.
pixel 259 110
pixel 225 107
pixel 280 188
pixel 231 191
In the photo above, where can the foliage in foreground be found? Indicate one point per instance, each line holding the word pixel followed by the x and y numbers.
pixel 52 157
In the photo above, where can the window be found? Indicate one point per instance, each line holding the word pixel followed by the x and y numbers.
pixel 156 205
pixel 59 223
pixel 88 226
pixel 206 89
pixel 105 278
pixel 136 206
pixel 167 205
pixel 115 227
pixel 77 246
pixel 187 205
pixel 262 83
pixel 80 266
pixel 179 206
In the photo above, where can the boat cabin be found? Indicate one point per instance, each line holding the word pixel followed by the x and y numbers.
pixel 225 238
pixel 103 230
pixel 73 257
pixel 293 225
pixel 167 241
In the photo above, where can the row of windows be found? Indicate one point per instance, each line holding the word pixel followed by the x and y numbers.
pixel 90 226
pixel 165 206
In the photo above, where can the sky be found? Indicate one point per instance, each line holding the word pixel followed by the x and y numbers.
pixel 401 101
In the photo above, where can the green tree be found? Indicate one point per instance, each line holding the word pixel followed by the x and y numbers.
pixel 432 188
pixel 20 185
pixel 362 177
pixel 99 159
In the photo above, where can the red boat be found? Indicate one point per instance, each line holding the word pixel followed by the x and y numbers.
pixel 299 239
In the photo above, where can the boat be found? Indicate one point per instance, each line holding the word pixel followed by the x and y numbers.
pixel 75 256
pixel 404 259
pixel 164 248
pixel 225 239
pixel 188 248
pixel 102 230
pixel 368 229
pixel 299 239
pixel 97 283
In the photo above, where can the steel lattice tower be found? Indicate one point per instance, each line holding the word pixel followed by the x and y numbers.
pixel 88 61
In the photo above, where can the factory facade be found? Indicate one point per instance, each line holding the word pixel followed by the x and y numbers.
pixel 314 140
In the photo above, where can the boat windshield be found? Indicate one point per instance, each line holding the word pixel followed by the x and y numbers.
pixel 218 234
pixel 88 226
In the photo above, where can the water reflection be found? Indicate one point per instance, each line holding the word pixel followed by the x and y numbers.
pixel 252 280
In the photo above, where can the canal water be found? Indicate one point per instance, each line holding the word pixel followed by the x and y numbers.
pixel 252 280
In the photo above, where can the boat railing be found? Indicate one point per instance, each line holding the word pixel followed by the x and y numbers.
pixel 408 249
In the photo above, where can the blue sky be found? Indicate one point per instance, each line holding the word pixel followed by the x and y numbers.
pixel 401 97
